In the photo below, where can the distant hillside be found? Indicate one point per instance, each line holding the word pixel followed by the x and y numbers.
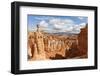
pixel 62 33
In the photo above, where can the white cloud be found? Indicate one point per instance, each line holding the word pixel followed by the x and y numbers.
pixel 56 25
pixel 77 28
pixel 82 25
pixel 62 24
pixel 61 21
pixel 66 25
pixel 43 24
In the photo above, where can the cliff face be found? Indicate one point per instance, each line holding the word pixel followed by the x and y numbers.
pixel 80 50
pixel 54 46
pixel 36 49
pixel 83 41
pixel 43 46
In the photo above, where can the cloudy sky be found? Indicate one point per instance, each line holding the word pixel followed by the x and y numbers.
pixel 56 24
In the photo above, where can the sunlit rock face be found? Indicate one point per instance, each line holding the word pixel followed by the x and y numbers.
pixel 57 47
pixel 46 46
pixel 80 50
pixel 83 41
pixel 36 46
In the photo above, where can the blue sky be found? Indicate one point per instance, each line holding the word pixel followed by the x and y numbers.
pixel 55 24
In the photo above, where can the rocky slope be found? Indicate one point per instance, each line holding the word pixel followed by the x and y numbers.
pixel 53 46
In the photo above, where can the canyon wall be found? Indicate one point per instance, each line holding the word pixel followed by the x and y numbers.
pixel 42 46
pixel 83 41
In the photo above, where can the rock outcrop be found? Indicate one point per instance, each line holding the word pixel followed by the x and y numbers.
pixel 42 46
pixel 36 45
pixel 80 50
pixel 83 41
